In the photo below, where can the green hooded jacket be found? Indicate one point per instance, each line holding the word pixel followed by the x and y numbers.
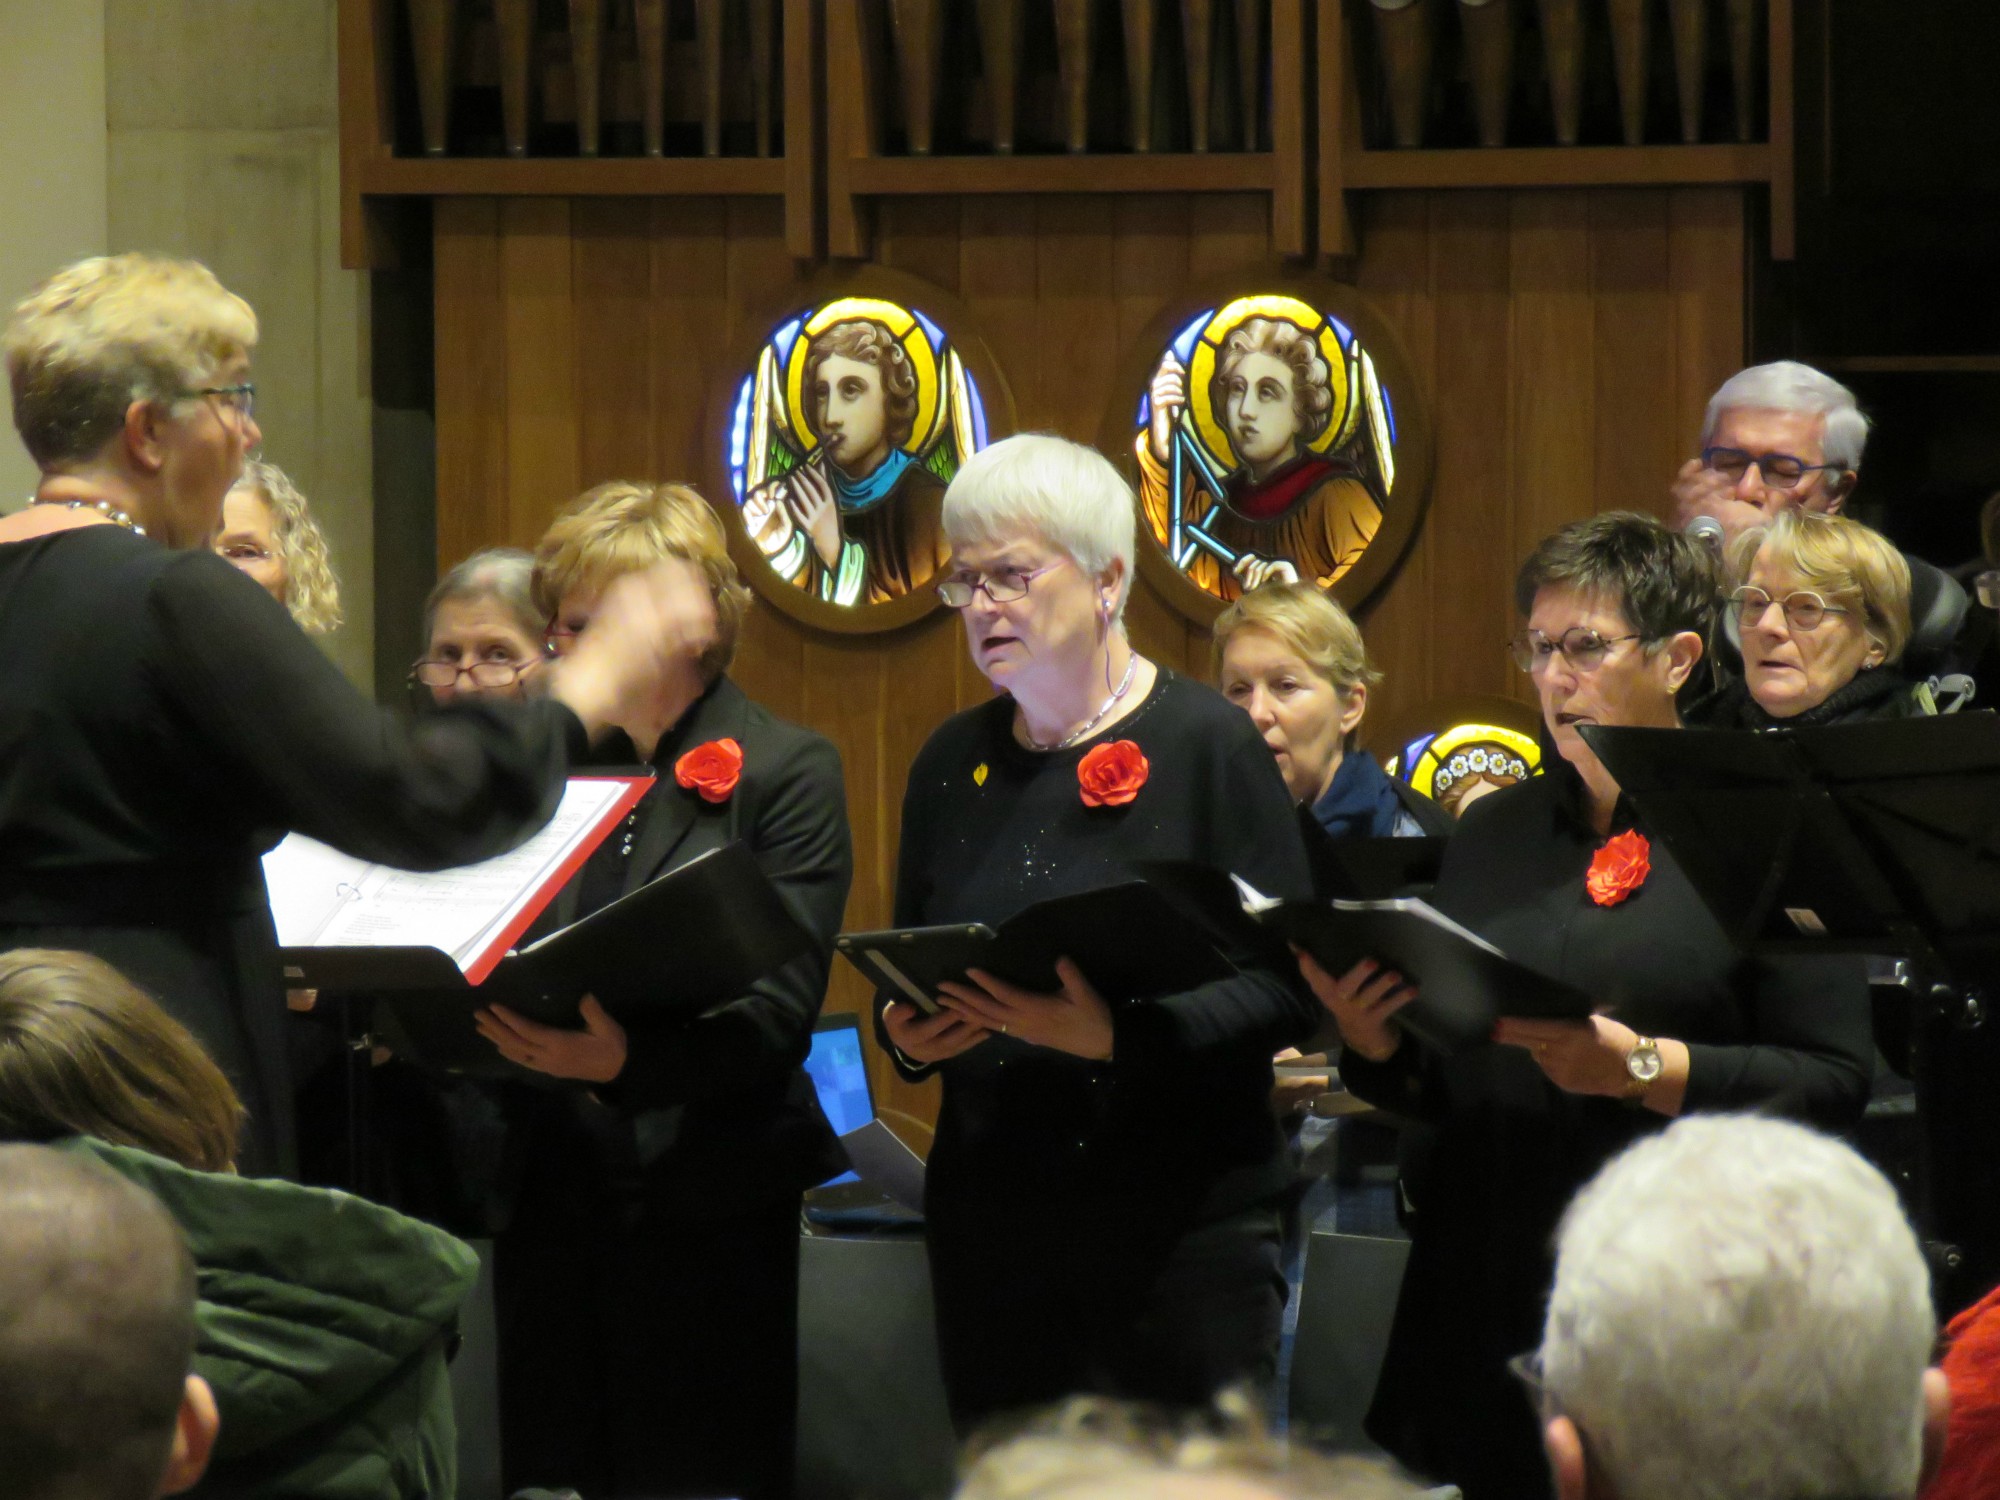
pixel 325 1323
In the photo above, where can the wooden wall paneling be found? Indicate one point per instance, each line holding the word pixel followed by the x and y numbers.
pixel 1291 126
pixel 807 139
pixel 471 375
pixel 1554 391
pixel 1706 252
pixel 997 280
pixel 920 236
pixel 689 318
pixel 1471 511
pixel 1076 310
pixel 1399 624
pixel 613 276
pixel 853 121
pixel 540 313
pixel 1634 349
pixel 1228 234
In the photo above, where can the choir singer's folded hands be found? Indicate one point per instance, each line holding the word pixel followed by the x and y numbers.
pixel 1074 1019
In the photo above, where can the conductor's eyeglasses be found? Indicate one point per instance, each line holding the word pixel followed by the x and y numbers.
pixel 1804 610
pixel 485 674
pixel 1002 586
pixel 1781 471
pixel 242 398
pixel 1584 649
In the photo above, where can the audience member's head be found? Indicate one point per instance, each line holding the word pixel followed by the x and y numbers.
pixel 83 1051
pixel 269 533
pixel 1288 655
pixel 98 1399
pixel 1776 437
pixel 1740 1312
pixel 135 369
pixel 625 527
pixel 483 632
pixel 1095 1449
pixel 1819 599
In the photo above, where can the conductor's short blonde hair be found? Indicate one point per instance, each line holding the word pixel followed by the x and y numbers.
pixel 1843 560
pixel 1310 625
pixel 114 329
pixel 626 525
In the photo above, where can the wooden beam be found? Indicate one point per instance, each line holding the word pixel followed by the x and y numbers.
pixel 1339 114
pixel 1560 166
pixel 807 144
pixel 367 129
pixel 1154 172
pixel 1291 186
pixel 572 177
pixel 1783 150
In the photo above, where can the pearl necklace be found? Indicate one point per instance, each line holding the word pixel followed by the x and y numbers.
pixel 104 508
pixel 1124 686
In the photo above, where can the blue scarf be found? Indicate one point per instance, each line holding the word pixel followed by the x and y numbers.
pixel 1360 802
pixel 861 494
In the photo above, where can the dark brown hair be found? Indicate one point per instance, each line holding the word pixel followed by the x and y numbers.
pixel 84 1051
pixel 1661 581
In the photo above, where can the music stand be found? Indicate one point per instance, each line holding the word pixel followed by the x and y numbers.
pixel 1871 838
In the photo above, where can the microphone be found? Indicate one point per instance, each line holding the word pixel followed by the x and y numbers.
pixel 1709 530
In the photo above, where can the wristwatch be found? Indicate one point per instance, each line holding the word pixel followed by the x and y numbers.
pixel 1643 1064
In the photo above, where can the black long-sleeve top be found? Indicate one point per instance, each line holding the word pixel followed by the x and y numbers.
pixel 1179 1121
pixel 162 722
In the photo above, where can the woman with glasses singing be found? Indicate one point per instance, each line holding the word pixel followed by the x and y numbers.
pixel 1822 611
pixel 1103 1201
pixel 1557 872
pixel 163 720
pixel 647 1281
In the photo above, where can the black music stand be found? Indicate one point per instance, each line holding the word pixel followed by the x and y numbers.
pixel 1873 838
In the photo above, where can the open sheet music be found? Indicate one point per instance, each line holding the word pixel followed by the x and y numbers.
pixel 321 898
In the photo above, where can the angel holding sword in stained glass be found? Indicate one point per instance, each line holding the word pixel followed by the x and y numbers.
pixel 1281 465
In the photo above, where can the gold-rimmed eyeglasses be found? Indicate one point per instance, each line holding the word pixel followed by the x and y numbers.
pixel 1583 648
pixel 1803 609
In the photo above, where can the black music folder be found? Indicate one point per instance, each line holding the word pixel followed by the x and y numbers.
pixel 679 945
pixel 1464 984
pixel 1871 837
pixel 1130 942
pixel 1367 869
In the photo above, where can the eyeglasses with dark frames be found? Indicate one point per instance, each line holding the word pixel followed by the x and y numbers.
pixel 1002 586
pixel 241 399
pixel 1583 648
pixel 1781 471
pixel 485 674
pixel 1803 609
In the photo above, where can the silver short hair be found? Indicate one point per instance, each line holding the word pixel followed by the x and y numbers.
pixel 1041 485
pixel 502 574
pixel 1787 385
pixel 1741 1312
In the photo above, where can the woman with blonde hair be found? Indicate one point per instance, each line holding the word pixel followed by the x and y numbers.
pixel 269 533
pixel 648 1280
pixel 1289 656
pixel 1822 606
pixel 164 720
pixel 324 1321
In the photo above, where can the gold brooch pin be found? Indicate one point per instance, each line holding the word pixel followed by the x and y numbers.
pixel 979 774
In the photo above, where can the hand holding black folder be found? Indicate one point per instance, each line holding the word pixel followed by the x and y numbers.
pixel 679 945
pixel 1129 941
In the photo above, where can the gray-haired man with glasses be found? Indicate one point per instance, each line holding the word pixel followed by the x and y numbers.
pixel 1774 436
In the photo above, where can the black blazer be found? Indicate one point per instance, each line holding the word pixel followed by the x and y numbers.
pixel 723 1115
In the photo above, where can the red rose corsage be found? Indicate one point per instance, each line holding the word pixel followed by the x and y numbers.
pixel 1111 775
pixel 711 770
pixel 1619 868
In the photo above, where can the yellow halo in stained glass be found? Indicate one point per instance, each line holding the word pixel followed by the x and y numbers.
pixel 1484 741
pixel 904 328
pixel 1201 372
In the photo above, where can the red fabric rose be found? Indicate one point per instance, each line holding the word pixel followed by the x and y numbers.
pixel 711 770
pixel 1619 868
pixel 1111 775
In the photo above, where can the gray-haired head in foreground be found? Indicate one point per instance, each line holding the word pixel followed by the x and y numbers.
pixel 502 574
pixel 97 1298
pixel 1787 385
pixel 1741 1312
pixel 1093 1448
pixel 1036 485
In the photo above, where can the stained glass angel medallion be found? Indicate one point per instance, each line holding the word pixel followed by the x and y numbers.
pixel 1267 447
pixel 842 440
